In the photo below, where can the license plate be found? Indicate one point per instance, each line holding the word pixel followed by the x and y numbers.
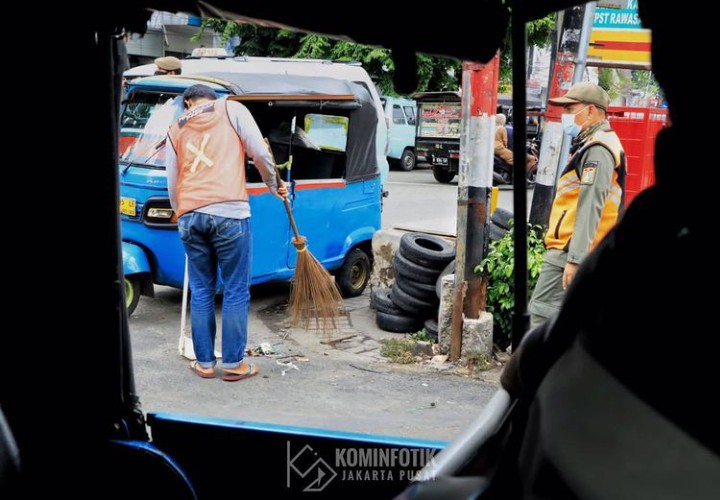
pixel 442 160
pixel 127 206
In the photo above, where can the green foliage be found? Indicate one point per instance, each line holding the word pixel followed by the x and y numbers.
pixel 645 81
pixel 434 73
pixel 606 79
pixel 499 268
pixel 422 336
pixel 539 32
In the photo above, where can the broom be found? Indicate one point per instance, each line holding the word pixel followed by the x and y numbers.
pixel 314 293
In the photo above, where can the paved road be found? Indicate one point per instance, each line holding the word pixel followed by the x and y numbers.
pixel 341 382
pixel 417 201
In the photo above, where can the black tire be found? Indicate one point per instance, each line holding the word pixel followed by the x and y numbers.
pixel 449 269
pixel 426 250
pixel 402 265
pixel 423 309
pixel 501 218
pixel 132 293
pixel 381 301
pixel 496 232
pixel 431 328
pixel 354 275
pixel 407 160
pixel 422 291
pixel 442 175
pixel 396 323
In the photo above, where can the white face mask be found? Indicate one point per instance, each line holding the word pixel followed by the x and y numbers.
pixel 568 122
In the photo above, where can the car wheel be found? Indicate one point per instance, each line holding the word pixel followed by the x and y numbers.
pixel 407 160
pixel 443 176
pixel 354 275
pixel 132 293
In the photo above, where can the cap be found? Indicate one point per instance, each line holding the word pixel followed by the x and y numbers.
pixel 168 63
pixel 586 92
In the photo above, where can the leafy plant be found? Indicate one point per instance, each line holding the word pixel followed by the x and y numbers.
pixel 422 336
pixel 499 267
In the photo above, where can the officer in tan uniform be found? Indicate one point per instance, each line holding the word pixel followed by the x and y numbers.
pixel 168 65
pixel 589 196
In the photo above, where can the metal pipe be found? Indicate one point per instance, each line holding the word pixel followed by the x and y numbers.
pixel 520 318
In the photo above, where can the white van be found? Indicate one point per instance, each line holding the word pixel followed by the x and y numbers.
pixel 401 117
pixel 353 72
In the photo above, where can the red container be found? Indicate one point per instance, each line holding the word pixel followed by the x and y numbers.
pixel 637 129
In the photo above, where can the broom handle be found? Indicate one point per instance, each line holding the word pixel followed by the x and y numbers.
pixel 288 208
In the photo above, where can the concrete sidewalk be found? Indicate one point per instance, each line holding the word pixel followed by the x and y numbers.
pixel 339 383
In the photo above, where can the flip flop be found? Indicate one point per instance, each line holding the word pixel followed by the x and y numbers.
pixel 200 371
pixel 232 376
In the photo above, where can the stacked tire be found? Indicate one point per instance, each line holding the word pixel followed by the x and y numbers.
pixel 413 299
pixel 500 223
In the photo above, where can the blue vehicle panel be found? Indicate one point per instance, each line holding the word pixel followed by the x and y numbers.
pixel 334 179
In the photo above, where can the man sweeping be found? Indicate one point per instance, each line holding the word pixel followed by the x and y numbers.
pixel 205 167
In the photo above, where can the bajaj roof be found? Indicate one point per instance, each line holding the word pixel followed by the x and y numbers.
pixel 314 91
pixel 267 65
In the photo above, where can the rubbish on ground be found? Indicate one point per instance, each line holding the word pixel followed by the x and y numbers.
pixel 289 366
pixel 264 349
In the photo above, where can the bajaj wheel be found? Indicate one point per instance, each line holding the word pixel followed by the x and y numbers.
pixel 132 294
pixel 354 275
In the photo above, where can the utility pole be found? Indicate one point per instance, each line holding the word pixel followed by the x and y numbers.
pixel 479 105
pixel 567 50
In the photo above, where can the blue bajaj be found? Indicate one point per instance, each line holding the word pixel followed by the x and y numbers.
pixel 334 178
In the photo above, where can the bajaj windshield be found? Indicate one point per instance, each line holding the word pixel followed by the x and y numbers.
pixel 144 125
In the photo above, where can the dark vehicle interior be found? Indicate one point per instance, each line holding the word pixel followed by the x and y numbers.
pixel 610 400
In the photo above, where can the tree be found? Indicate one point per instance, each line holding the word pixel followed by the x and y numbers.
pixel 434 73
pixel 539 32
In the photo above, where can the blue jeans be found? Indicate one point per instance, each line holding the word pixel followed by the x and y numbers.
pixel 210 242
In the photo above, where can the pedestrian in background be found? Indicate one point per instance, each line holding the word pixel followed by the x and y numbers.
pixel 168 65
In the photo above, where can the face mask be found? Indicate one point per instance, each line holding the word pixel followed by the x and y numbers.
pixel 568 122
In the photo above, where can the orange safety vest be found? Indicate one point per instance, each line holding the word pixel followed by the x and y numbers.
pixel 210 158
pixel 564 209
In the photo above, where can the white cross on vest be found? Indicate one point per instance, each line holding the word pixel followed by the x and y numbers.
pixel 200 155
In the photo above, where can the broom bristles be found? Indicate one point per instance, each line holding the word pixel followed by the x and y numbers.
pixel 314 294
